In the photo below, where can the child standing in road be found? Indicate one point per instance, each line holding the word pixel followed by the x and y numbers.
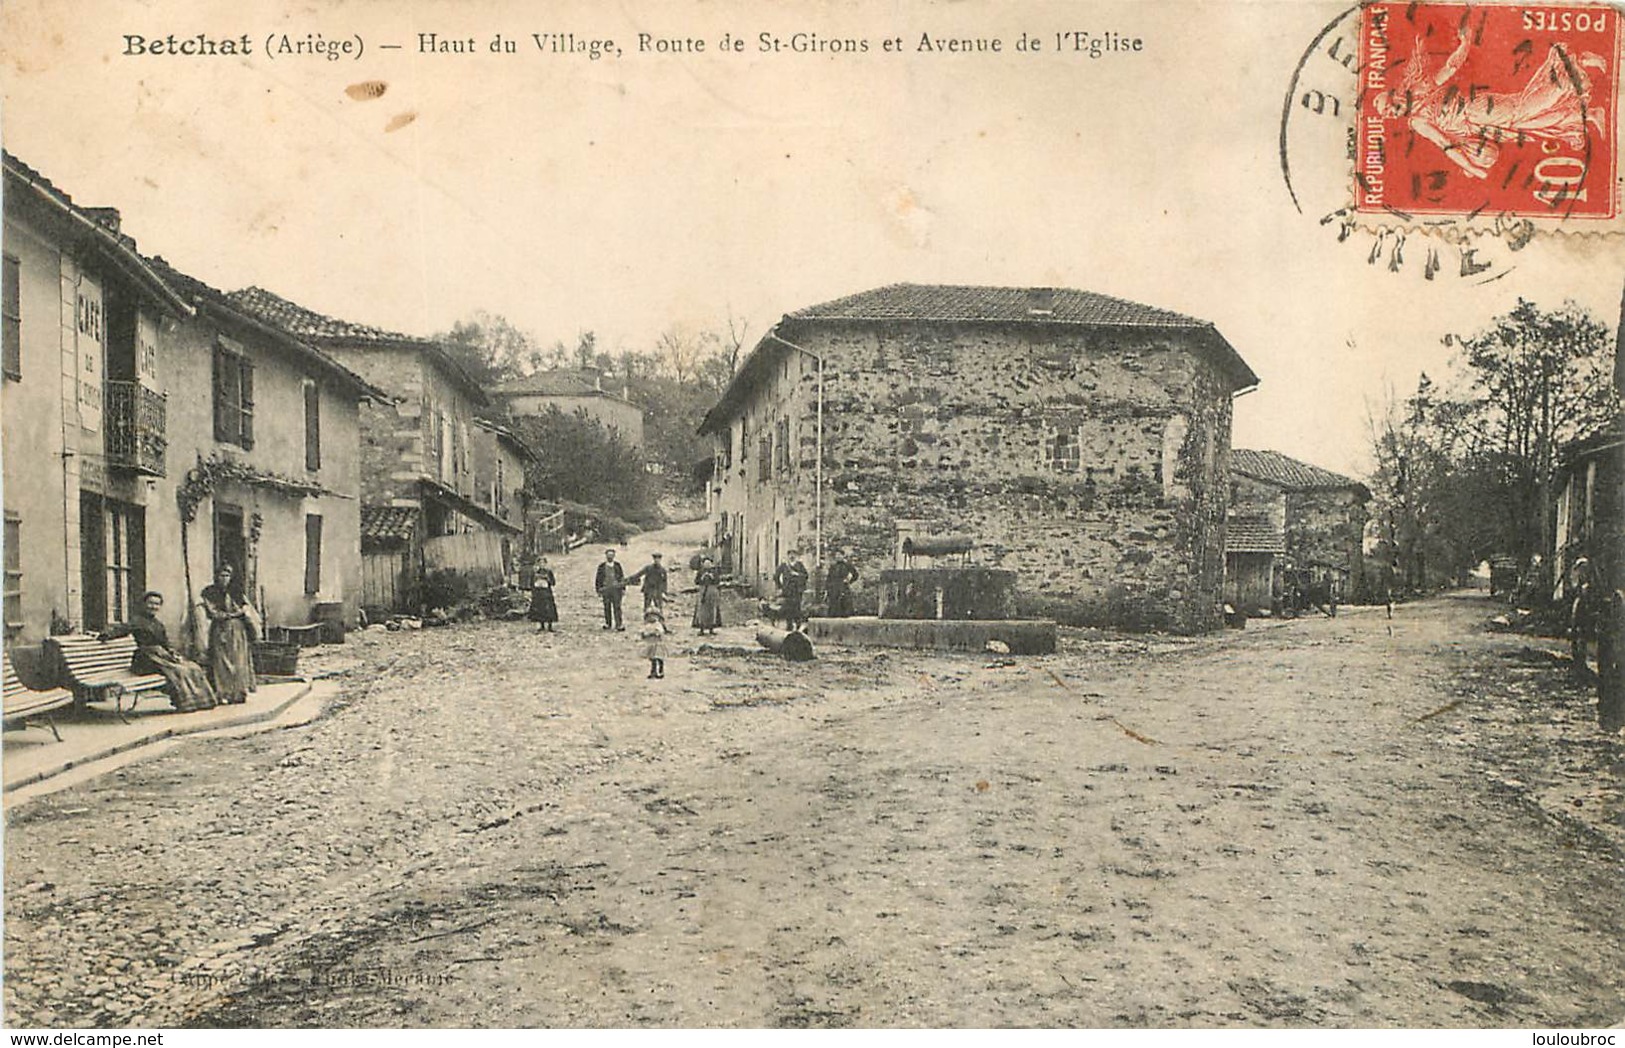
pixel 653 636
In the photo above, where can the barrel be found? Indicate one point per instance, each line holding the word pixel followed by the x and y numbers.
pixel 329 614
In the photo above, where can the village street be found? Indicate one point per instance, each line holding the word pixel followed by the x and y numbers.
pixel 1340 822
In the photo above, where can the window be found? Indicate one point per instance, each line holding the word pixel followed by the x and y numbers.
pixel 313 553
pixel 125 544
pixel 313 426
pixel 233 395
pixel 1062 452
pixel 764 459
pixel 782 444
pixel 14 575
pixel 442 447
pixel 11 309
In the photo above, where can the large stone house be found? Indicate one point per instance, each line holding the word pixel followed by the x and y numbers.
pixel 573 390
pixel 1079 440
pixel 152 431
pixel 426 501
pixel 1295 533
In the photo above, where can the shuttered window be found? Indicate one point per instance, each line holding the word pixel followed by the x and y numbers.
pixel 313 553
pixel 11 309
pixel 233 397
pixel 14 575
pixel 313 426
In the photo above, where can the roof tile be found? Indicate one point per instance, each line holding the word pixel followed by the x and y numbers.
pixel 954 302
pixel 1248 535
pixel 1276 468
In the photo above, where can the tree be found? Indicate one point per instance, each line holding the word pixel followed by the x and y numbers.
pixel 491 348
pixel 581 461
pixel 1538 379
pixel 1464 472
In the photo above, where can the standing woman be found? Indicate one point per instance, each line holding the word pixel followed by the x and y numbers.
pixel 231 662
pixel 544 610
pixel 708 610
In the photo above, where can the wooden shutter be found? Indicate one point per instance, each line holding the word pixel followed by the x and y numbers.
pixel 11 310
pixel 226 380
pixel 313 553
pixel 246 402
pixel 313 426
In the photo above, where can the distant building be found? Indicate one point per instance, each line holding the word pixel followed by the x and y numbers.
pixel 131 389
pixel 573 390
pixel 426 502
pixel 1077 439
pixel 1294 528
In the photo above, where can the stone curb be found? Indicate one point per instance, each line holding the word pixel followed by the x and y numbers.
pixel 158 735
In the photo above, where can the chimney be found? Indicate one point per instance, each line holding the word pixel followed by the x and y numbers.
pixel 106 217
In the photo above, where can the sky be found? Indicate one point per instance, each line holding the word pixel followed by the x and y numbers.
pixel 627 195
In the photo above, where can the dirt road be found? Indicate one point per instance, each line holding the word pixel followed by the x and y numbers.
pixel 1349 822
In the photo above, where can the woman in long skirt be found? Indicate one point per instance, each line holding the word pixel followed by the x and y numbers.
pixel 188 685
pixel 231 660
pixel 544 610
pixel 708 609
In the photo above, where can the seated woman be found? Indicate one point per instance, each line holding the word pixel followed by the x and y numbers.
pixel 188 685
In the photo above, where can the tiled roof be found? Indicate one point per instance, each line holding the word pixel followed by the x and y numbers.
pixel 1245 535
pixel 503 433
pixel 952 302
pixel 118 248
pixel 196 290
pixel 318 327
pixel 1276 468
pixel 388 523
pixel 1032 307
pixel 552 384
pixel 307 323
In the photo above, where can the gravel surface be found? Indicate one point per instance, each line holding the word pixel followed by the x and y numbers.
pixel 1351 822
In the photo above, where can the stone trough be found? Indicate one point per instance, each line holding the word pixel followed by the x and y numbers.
pixel 1022 636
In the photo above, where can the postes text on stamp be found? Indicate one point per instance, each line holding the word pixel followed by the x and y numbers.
pixel 1471 110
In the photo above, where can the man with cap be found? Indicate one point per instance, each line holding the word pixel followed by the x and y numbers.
pixel 610 582
pixel 653 577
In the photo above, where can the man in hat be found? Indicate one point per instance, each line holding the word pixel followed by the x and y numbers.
pixel 610 582
pixel 653 577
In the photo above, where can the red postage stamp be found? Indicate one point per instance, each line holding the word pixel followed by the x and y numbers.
pixel 1488 109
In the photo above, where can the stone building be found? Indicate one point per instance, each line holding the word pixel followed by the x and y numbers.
pixel 1079 440
pixel 1294 529
pixel 130 389
pixel 423 507
pixel 573 390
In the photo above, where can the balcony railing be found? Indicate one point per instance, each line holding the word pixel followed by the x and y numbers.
pixel 133 418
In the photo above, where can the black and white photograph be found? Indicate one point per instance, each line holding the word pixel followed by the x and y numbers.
pixel 935 515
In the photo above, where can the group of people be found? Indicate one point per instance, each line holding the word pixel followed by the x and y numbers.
pixel 610 582
pixel 230 674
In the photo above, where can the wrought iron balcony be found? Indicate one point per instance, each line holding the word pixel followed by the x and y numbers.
pixel 133 419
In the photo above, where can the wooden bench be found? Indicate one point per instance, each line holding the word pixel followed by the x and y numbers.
pixel 23 704
pixel 98 670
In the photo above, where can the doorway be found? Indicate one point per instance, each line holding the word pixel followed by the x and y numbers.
pixel 231 544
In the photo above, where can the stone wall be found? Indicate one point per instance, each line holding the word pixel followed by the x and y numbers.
pixel 957 427
pixel 1325 527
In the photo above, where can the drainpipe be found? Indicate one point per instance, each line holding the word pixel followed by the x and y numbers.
pixel 818 469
